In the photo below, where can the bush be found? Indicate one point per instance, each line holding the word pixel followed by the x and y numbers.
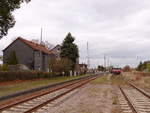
pixel 59 66
pixel 12 59
pixel 23 75
pixel 127 68
pixel 4 67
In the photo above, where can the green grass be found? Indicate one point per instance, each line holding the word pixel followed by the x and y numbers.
pixel 100 80
pixel 9 89
pixel 114 80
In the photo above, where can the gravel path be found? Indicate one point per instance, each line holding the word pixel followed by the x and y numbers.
pixel 90 99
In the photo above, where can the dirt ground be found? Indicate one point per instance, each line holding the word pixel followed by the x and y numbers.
pixel 92 98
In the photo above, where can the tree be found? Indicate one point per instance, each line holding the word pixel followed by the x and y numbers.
pixel 66 65
pixel 148 66
pixel 12 59
pixel 101 68
pixel 143 66
pixel 139 67
pixel 1 58
pixel 7 20
pixel 3 67
pixel 69 50
pixel 127 68
pixel 52 63
pixel 59 66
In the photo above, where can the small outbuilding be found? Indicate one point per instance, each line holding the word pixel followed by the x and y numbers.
pixel 35 56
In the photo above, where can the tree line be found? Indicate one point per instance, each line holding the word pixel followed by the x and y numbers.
pixel 144 66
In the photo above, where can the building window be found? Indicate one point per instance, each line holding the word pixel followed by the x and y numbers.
pixel 58 50
pixel 38 54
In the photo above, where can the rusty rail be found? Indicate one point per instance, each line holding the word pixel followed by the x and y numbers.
pixel 140 90
pixel 128 100
pixel 50 91
pixel 58 96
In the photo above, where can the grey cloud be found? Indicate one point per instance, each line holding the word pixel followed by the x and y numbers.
pixel 118 28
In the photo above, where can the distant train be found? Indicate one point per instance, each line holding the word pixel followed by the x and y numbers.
pixel 116 71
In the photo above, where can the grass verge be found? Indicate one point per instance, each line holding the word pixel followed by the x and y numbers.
pixel 13 88
pixel 100 80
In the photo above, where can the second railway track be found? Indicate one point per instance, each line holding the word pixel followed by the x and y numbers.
pixel 133 100
pixel 33 104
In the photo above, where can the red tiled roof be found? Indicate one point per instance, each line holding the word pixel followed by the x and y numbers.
pixel 35 46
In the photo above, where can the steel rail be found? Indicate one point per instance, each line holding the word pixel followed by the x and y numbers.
pixel 3 98
pixel 58 96
pixel 140 90
pixel 129 101
pixel 47 92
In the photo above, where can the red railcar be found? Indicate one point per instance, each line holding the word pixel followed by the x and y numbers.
pixel 116 71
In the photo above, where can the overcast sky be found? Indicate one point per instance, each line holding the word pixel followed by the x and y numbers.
pixel 120 29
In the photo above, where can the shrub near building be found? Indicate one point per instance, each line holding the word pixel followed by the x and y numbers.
pixel 23 75
pixel 3 67
pixel 12 59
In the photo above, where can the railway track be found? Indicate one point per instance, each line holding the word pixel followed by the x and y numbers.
pixel 36 102
pixel 134 100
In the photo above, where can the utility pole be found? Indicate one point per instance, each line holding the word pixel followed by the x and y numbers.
pixel 108 62
pixel 105 61
pixel 41 50
pixel 88 58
